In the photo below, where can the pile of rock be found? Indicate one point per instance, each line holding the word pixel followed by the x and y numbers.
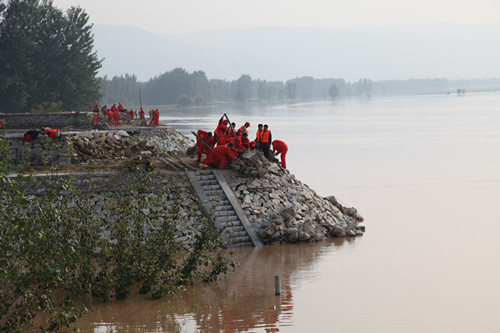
pixel 97 146
pixel 253 163
pixel 284 210
pixel 166 139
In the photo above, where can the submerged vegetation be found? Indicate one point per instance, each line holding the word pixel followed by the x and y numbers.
pixel 54 254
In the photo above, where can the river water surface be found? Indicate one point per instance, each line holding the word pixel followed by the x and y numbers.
pixel 424 171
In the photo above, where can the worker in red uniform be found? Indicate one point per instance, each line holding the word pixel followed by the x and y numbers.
pixel 208 138
pixel 120 107
pixel 116 117
pixel 245 142
pixel 219 155
pixel 96 108
pixel 142 117
pixel 222 126
pixel 244 128
pixel 51 133
pixel 95 120
pixel 279 147
pixel 232 130
pixel 157 119
pixel 155 116
pixel 258 136
pixel 265 141
pixel 110 116
pixel 32 134
pixel 132 114
pixel 222 137
pixel 104 110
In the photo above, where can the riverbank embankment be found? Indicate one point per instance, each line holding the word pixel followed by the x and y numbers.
pixel 280 208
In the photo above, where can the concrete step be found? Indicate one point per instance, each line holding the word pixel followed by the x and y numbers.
pixel 215 198
pixel 223 207
pixel 214 192
pixel 235 240
pixel 211 187
pixel 231 219
pixel 206 178
pixel 225 213
pixel 208 182
pixel 238 234
pixel 243 244
pixel 238 228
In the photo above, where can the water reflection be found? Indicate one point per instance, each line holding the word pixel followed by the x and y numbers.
pixel 245 301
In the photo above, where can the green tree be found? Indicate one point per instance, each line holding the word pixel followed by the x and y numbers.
pixel 243 88
pixel 290 90
pixel 333 91
pixel 47 56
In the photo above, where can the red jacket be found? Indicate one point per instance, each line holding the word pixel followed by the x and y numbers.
pixel 52 133
pixel 279 146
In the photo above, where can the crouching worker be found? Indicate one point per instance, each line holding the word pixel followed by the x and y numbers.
pixel 51 133
pixel 279 147
pixel 219 155
pixel 31 134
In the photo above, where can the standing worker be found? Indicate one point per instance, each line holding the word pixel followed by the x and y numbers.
pixel 258 136
pixel 141 117
pixel 244 128
pixel 116 116
pixel 110 116
pixel 208 138
pixel 279 147
pixel 265 141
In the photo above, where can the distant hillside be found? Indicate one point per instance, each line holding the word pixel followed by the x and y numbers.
pixel 441 51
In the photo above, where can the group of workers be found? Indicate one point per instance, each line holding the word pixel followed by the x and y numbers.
pixel 226 143
pixel 46 131
pixel 114 112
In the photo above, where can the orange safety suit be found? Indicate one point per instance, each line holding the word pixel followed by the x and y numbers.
pixel 219 155
pixel 52 133
pixel 202 149
pixel 245 142
pixel 279 147
pixel 116 116
pixel 243 129
pixel 110 117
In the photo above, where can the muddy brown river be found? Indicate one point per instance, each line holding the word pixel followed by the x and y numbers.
pixel 424 171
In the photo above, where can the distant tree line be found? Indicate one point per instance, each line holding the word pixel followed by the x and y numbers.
pixel 189 89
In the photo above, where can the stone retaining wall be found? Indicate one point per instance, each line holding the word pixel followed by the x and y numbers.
pixel 53 120
pixel 149 199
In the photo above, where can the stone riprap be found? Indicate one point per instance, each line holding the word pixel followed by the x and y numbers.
pixel 104 198
pixel 284 210
pixel 167 139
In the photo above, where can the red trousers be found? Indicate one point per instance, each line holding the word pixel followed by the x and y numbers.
pixel 117 119
pixel 216 159
pixel 283 156
pixel 202 150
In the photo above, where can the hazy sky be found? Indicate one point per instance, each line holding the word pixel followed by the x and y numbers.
pixel 176 16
